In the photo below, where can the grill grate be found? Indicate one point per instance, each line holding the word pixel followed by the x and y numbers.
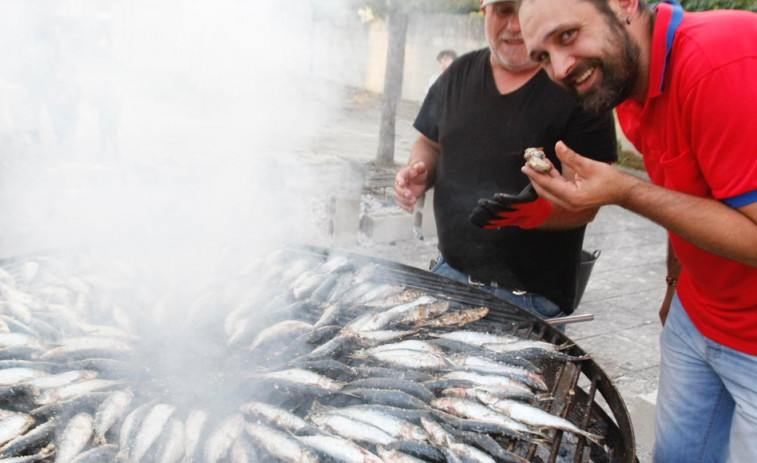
pixel 580 391
pixel 580 403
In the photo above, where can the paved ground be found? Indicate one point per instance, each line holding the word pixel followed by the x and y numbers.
pixel 624 292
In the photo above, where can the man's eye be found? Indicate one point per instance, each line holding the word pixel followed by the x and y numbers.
pixel 540 57
pixel 567 35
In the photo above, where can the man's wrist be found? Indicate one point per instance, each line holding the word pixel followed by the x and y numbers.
pixel 671 281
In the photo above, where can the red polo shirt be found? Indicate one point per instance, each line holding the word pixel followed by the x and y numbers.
pixel 697 131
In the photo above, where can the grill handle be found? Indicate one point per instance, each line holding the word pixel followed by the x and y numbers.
pixel 570 319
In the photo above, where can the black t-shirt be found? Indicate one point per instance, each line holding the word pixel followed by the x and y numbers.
pixel 483 135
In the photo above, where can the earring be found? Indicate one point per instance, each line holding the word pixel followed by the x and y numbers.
pixel 628 20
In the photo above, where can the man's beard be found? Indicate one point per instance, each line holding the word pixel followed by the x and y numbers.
pixel 619 74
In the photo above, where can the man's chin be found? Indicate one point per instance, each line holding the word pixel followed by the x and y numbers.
pixel 596 102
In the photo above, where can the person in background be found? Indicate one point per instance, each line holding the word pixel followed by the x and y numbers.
pixel 684 90
pixel 444 58
pixel 475 123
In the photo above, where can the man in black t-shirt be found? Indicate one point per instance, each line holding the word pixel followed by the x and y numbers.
pixel 475 124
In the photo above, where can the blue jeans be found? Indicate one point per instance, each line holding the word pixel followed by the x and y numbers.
pixel 532 302
pixel 707 398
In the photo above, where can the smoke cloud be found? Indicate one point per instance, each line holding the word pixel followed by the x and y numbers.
pixel 157 126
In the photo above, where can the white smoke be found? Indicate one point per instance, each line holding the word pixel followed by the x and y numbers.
pixel 156 124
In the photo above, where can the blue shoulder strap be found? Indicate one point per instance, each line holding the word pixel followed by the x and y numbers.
pixel 675 21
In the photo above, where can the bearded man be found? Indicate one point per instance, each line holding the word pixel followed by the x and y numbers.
pixel 684 90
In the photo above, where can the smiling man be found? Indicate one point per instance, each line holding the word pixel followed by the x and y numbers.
pixel 684 89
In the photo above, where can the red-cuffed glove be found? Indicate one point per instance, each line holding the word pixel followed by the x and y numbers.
pixel 525 210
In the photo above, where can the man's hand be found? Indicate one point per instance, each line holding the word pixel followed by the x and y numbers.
pixel 525 210
pixel 410 184
pixel 595 184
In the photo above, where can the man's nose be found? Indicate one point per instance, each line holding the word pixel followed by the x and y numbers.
pixel 560 65
pixel 513 23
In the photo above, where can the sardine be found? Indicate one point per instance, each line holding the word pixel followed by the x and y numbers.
pixel 458 318
pixel 392 398
pixel 421 313
pixel 410 387
pixel 97 454
pixel 422 450
pixel 296 376
pixel 324 289
pixel 170 446
pixel 487 443
pixel 284 332
pixel 151 427
pixel 352 429
pixel 340 449
pixel 374 338
pixel 469 409
pixel 436 432
pixel 473 392
pixel 280 445
pixel 110 411
pixel 535 350
pixel 61 379
pixel 11 376
pixel 306 283
pixel 130 428
pixel 31 441
pixel 69 391
pixel 395 456
pixel 408 359
pixel 384 318
pixel 13 424
pixel 274 415
pixel 534 416
pixel 87 401
pixel 477 338
pixel 193 429
pixel 395 298
pixel 43 454
pixel 470 453
pixel 327 367
pixel 372 292
pixel 382 372
pixel 74 438
pixel 219 442
pixel 490 367
pixel 397 427
pixel 411 344
pixel 343 283
pixel 244 451
pixel 19 340
pixel 478 379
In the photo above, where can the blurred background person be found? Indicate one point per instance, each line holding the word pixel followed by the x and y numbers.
pixel 444 58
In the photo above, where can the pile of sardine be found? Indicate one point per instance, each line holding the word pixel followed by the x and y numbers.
pixel 292 359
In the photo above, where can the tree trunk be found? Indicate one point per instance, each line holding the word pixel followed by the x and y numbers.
pixel 395 65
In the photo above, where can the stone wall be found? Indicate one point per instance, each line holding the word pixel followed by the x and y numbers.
pixel 348 51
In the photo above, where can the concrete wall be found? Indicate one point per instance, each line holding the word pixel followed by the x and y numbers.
pixel 348 51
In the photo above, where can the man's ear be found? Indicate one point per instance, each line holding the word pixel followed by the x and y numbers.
pixel 626 9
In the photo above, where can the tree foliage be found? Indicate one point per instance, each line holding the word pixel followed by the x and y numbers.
pixel 703 5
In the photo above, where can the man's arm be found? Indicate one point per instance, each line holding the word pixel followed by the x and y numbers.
pixel 707 223
pixel 420 173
